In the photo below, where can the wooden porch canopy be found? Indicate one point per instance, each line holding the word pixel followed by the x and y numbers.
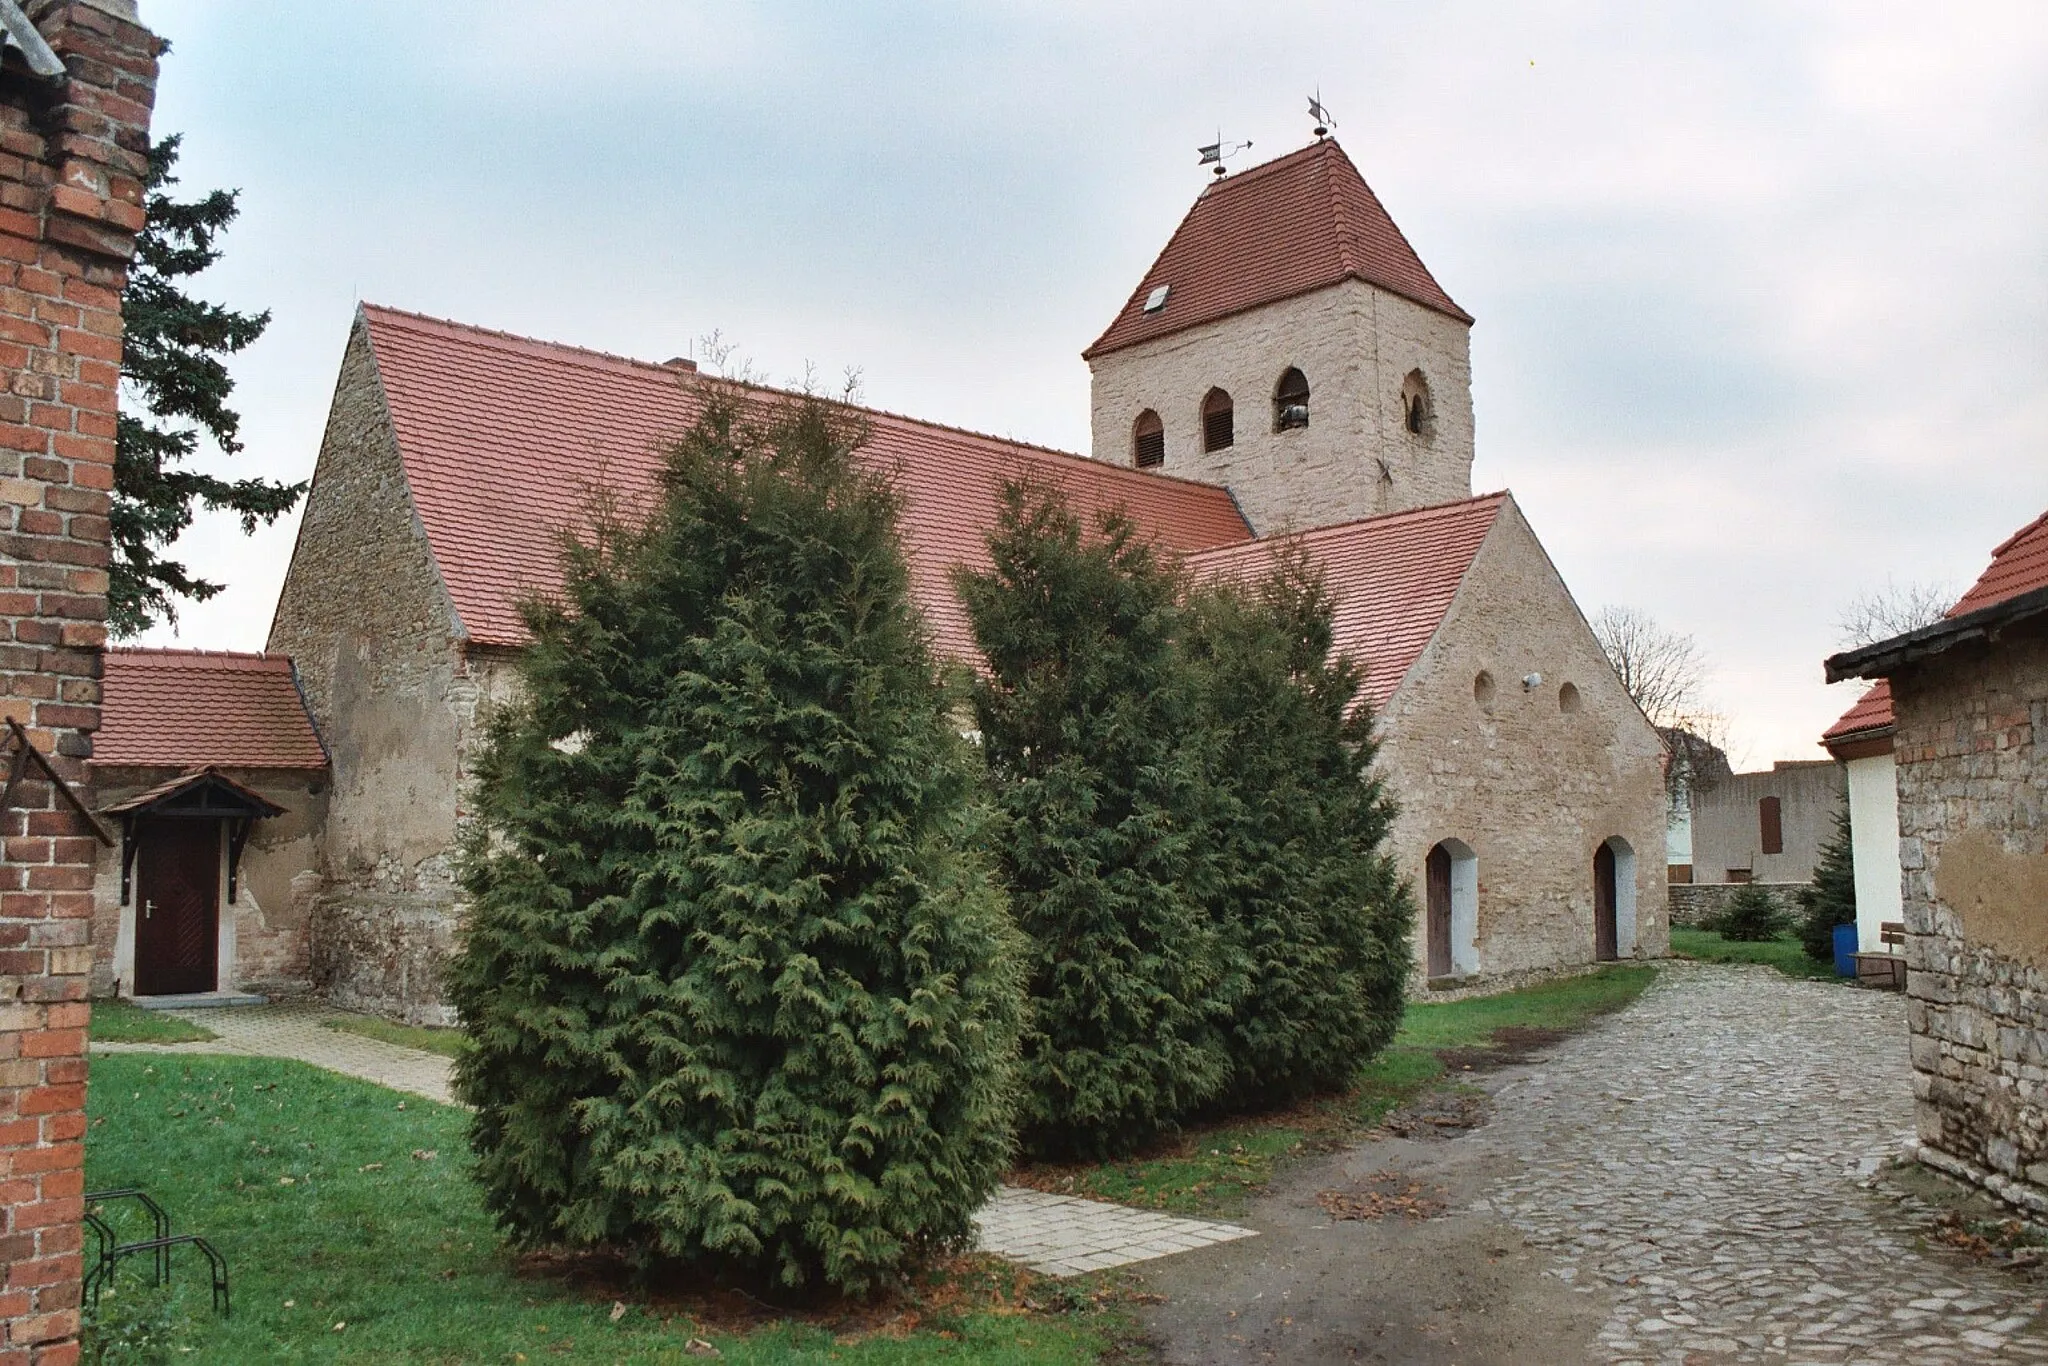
pixel 202 794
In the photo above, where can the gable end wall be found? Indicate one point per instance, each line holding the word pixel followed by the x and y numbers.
pixel 1532 790
pixel 367 620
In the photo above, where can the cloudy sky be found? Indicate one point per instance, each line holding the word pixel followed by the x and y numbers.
pixel 1761 285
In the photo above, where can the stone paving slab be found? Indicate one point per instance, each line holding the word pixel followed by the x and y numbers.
pixel 1063 1235
pixel 1706 1157
pixel 1055 1235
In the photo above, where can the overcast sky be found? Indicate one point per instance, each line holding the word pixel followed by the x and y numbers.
pixel 1761 286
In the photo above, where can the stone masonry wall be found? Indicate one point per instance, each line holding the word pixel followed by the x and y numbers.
pixel 1356 344
pixel 72 155
pixel 1695 903
pixel 365 617
pixel 1531 788
pixel 1972 751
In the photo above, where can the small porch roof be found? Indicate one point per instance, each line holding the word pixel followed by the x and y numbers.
pixel 199 793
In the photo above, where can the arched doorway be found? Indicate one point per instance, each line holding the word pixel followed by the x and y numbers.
pixel 1451 882
pixel 1614 900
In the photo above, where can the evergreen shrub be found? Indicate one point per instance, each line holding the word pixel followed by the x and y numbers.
pixel 1752 916
pixel 1084 715
pixel 742 991
pixel 1831 898
pixel 1304 893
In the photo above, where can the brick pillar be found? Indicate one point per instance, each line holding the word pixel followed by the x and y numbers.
pixel 71 163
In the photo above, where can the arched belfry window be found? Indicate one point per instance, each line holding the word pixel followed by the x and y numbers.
pixel 1290 401
pixel 1418 414
pixel 1148 440
pixel 1218 422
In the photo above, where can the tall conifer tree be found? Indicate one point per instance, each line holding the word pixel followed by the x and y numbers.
pixel 1083 714
pixel 1302 887
pixel 742 992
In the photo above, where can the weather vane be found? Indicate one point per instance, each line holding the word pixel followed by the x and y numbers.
pixel 1318 111
pixel 1215 152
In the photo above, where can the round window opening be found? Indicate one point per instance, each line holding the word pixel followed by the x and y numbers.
pixel 1568 699
pixel 1482 690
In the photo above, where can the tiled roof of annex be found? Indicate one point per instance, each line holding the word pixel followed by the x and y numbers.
pixel 1872 712
pixel 503 438
pixel 2019 565
pixel 1393 578
pixel 199 707
pixel 1296 224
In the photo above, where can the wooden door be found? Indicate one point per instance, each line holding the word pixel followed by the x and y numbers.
pixel 177 907
pixel 1604 933
pixel 1439 881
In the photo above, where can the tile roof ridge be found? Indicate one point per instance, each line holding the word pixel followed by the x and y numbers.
pixel 514 341
pixel 2009 542
pixel 1430 512
pixel 170 654
pixel 1265 168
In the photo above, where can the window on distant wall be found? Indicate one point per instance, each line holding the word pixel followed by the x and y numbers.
pixel 1290 401
pixel 1148 441
pixel 1771 825
pixel 1218 422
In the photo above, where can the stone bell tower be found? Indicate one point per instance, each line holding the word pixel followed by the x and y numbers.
pixel 1290 344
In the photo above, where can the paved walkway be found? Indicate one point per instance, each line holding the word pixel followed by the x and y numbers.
pixel 1056 1235
pixel 1705 1158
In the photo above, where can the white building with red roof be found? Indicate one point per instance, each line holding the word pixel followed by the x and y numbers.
pixel 1528 781
pixel 1962 707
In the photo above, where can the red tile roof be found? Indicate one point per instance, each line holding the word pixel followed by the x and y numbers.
pixel 196 707
pixel 1294 225
pixel 1393 578
pixel 502 437
pixel 2020 565
pixel 1872 712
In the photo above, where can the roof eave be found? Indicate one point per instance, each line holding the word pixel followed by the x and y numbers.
pixel 1883 658
pixel 1097 349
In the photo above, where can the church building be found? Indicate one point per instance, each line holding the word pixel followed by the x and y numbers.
pixel 1288 367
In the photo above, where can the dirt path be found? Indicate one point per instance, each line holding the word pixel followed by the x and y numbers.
pixel 1692 1181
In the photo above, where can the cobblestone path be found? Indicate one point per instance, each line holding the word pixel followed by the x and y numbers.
pixel 1056 1235
pixel 1705 1158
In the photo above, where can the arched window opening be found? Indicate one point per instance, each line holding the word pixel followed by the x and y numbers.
pixel 1219 431
pixel 1290 401
pixel 1148 440
pixel 1452 880
pixel 1614 900
pixel 1568 700
pixel 1418 414
pixel 1483 690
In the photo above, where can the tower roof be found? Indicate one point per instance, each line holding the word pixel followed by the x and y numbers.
pixel 1296 224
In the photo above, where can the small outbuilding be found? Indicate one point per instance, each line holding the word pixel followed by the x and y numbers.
pixel 1969 708
pixel 208 770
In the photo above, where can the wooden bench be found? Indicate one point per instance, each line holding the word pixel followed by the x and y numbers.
pixel 1885 970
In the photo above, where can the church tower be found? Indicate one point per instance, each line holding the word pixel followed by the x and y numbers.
pixel 1290 344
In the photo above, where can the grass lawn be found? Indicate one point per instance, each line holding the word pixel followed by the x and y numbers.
pixel 449 1043
pixel 352 1233
pixel 118 1022
pixel 1783 953
pixel 1215 1169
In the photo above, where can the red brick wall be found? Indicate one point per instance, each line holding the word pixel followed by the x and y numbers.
pixel 71 161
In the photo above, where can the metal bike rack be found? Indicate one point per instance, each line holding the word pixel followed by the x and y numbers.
pixel 112 1250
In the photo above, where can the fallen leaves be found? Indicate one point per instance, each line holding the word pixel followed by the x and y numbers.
pixel 1381 1194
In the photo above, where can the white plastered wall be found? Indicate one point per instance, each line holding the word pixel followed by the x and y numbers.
pixel 1874 836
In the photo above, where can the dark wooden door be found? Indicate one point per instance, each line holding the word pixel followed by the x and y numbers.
pixel 1604 935
pixel 1439 912
pixel 177 907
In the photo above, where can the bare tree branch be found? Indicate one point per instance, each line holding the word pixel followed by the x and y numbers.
pixel 1891 611
pixel 1662 670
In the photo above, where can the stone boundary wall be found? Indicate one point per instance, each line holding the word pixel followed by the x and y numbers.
pixel 73 151
pixel 1972 750
pixel 1695 903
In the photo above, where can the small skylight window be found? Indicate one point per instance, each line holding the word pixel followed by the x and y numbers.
pixel 1156 300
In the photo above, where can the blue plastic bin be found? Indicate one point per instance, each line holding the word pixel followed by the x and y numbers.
pixel 1845 950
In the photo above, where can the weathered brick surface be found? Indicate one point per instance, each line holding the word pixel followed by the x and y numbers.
pixel 1356 344
pixel 1972 750
pixel 72 154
